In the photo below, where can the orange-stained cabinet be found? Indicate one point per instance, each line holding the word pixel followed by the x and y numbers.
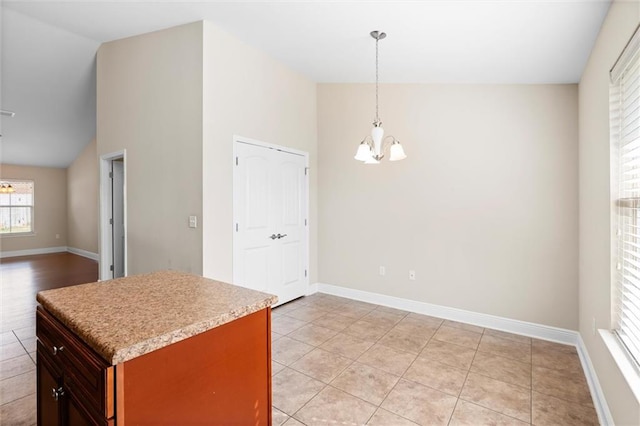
pixel 221 376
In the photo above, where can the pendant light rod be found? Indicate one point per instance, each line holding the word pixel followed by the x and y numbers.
pixel 378 35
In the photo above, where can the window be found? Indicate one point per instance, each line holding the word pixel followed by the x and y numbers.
pixel 625 177
pixel 16 207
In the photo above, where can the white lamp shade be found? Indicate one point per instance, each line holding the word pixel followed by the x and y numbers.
pixel 376 134
pixel 364 152
pixel 371 160
pixel 396 152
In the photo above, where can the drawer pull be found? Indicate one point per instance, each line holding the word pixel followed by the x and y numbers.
pixel 57 393
pixel 57 349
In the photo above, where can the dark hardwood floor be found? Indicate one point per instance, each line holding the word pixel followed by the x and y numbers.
pixel 21 278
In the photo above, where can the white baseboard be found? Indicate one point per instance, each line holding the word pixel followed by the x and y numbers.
pixel 524 328
pixel 599 401
pixel 48 250
pixel 31 252
pixel 83 253
pixel 313 288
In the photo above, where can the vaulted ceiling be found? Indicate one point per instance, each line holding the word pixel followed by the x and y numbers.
pixel 48 50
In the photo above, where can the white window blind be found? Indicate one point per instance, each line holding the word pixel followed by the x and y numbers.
pixel 625 146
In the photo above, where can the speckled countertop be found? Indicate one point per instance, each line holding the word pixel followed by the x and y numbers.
pixel 124 318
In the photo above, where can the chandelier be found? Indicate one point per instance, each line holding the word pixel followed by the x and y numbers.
pixel 372 148
pixel 6 188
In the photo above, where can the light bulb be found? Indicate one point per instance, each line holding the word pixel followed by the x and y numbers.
pixel 364 152
pixel 396 152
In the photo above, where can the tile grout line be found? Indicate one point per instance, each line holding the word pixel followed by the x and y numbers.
pixel 458 398
pixel 466 378
pixel 561 372
pixel 23 347
pixel 407 369
pixel 306 375
pixel 353 361
pixel 401 377
pixel 325 384
pixel 465 381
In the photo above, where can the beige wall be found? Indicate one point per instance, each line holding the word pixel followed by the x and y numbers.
pixel 483 209
pixel 595 247
pixel 150 103
pixel 174 99
pixel 82 200
pixel 247 93
pixel 50 210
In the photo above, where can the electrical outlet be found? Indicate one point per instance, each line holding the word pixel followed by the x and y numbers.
pixel 382 271
pixel 193 221
pixel 412 275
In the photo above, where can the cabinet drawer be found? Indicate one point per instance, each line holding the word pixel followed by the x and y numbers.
pixel 90 376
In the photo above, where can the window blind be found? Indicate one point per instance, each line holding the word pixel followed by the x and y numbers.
pixel 16 207
pixel 624 98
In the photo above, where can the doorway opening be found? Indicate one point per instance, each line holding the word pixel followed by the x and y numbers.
pixel 113 221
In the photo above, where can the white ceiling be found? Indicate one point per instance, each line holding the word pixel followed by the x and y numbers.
pixel 48 50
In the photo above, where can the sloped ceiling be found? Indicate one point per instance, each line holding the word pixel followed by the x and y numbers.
pixel 48 50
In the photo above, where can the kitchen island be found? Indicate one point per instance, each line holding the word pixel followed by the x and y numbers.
pixel 160 348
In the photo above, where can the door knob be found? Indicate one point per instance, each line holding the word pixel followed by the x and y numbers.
pixel 274 236
pixel 57 393
pixel 281 236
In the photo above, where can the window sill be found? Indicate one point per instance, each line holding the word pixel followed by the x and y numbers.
pixel 18 234
pixel 625 363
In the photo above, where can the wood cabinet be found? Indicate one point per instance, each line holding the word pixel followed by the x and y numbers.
pixel 49 382
pixel 220 376
pixel 75 385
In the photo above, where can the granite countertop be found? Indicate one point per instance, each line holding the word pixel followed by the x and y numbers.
pixel 124 318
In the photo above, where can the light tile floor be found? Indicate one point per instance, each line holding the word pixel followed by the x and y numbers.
pixel 18 377
pixel 344 362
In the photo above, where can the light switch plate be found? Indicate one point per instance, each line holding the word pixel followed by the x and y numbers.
pixel 193 221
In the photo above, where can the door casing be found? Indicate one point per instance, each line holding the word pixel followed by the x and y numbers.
pixel 105 234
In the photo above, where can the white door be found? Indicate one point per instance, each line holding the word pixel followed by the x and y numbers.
pixel 270 219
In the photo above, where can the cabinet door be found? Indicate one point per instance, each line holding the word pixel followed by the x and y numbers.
pixel 75 414
pixel 49 393
pixel 218 378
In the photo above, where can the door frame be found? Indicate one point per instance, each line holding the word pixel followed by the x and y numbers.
pixel 105 237
pixel 241 139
